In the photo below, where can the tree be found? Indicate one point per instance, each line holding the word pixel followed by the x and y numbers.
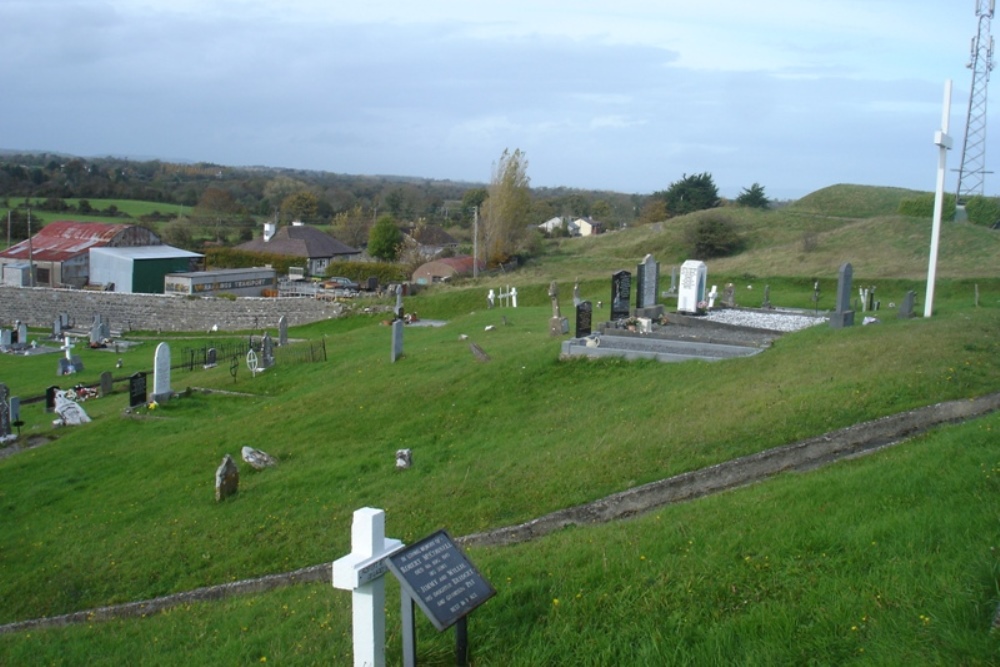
pixel 713 235
pixel 507 210
pixel 654 210
pixel 352 226
pixel 302 205
pixel 384 239
pixel 690 194
pixel 753 197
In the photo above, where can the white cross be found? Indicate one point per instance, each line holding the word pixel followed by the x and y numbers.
pixel 362 571
pixel 513 296
pixel 943 142
pixel 712 296
pixel 68 347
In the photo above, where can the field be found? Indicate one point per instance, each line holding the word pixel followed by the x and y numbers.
pixel 888 559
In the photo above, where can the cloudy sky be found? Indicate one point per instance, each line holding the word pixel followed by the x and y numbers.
pixel 625 95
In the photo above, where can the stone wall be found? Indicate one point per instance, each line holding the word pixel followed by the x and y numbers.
pixel 39 307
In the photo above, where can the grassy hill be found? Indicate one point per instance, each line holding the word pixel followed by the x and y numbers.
pixel 889 559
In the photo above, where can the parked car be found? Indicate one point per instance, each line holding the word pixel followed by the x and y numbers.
pixel 339 282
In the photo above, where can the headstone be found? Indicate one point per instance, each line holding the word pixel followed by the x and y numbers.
pixel 64 321
pixel 258 459
pixel 621 300
pixel 15 410
pixel 6 338
pixel 691 293
pixel 513 297
pixel 843 316
pixel 398 310
pixel 479 353
pixel 372 283
pixel 558 325
pixel 22 334
pixel 906 308
pixel 57 328
pixel 267 352
pixel 69 411
pixel 227 479
pixel 161 374
pixel 211 358
pixel 648 285
pixel 5 420
pixel 729 296
pixel 397 340
pixel 50 398
pixel 107 383
pixel 576 293
pixel 362 572
pixel 283 331
pixel 96 332
pixel 584 319
pixel 137 390
pixel 767 298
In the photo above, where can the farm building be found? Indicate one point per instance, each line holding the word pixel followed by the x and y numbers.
pixel 316 249
pixel 442 270
pixel 60 252
pixel 141 269
pixel 239 282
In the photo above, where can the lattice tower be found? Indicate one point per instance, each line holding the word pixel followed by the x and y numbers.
pixel 971 175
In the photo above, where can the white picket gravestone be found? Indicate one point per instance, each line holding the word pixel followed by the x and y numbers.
pixel 363 572
pixel 161 373
pixel 694 275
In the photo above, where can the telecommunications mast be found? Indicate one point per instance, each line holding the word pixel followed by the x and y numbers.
pixel 973 169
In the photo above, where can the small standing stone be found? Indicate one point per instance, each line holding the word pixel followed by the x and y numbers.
pixel 404 458
pixel 227 479
pixel 258 459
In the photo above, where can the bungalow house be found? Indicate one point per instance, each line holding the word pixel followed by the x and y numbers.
pixel 587 227
pixel 429 240
pixel 316 249
pixel 443 270
pixel 59 254
pixel 554 225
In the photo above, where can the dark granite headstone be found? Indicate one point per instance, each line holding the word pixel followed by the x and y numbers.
pixel 50 398
pixel 137 390
pixel 906 308
pixel 211 358
pixel 107 383
pixel 621 288
pixel 4 411
pixel 15 410
pixel 282 331
pixel 584 319
pixel 267 351
pixel 648 285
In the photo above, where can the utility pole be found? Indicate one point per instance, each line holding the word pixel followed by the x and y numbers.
pixel 31 254
pixel 475 242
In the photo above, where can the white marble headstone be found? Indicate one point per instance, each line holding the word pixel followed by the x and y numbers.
pixel 161 373
pixel 694 275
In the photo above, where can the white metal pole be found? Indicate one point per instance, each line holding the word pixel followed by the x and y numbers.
pixel 475 242
pixel 943 142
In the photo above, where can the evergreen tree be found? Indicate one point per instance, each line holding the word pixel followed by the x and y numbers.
pixel 753 197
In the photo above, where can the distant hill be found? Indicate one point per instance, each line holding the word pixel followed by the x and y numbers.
pixel 853 201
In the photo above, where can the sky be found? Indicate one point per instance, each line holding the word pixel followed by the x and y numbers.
pixel 623 95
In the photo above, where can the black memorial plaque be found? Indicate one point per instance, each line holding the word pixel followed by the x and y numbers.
pixel 440 579
pixel 137 390
pixel 621 287
pixel 584 319
pixel 50 398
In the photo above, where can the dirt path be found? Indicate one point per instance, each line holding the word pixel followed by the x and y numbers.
pixel 808 454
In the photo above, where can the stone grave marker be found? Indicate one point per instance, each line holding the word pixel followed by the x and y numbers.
pixel 22 334
pixel 57 328
pixel 227 479
pixel 398 310
pixel 372 283
pixel 71 413
pixel 15 411
pixel 843 316
pixel 584 319
pixel 558 325
pixel 906 307
pixel 211 358
pixel 621 299
pixel 694 276
pixel 6 338
pixel 397 340
pixel 96 332
pixel 729 296
pixel 137 390
pixel 767 298
pixel 404 459
pixel 161 374
pixel 282 331
pixel 5 420
pixel 266 351
pixel 648 285
pixel 50 398
pixel 576 293
pixel 107 384
pixel 64 321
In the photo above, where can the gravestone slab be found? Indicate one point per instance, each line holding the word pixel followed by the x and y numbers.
pixel 621 297
pixel 6 338
pixel 15 410
pixel 22 334
pixel 57 328
pixel 258 459
pixel 691 292
pixel 438 576
pixel 211 358
pixel 584 319
pixel 843 315
pixel 404 458
pixel 71 413
pixel 906 308
pixel 266 352
pixel 729 296
pixel 137 390
pixel 397 340
pixel 161 374
pixel 227 479
pixel 5 420
pixel 50 398
pixel 283 330
pixel 107 384
pixel 398 310
pixel 648 285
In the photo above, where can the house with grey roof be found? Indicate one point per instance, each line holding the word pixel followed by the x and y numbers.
pixel 315 248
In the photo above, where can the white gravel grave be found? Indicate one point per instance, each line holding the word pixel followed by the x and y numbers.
pixel 775 321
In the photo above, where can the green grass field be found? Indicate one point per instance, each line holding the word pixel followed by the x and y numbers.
pixel 888 559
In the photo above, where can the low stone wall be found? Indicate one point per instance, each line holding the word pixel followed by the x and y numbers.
pixel 39 307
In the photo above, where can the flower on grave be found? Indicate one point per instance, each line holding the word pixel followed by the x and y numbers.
pixel 153 405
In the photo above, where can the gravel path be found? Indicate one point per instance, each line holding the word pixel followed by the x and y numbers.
pixel 773 321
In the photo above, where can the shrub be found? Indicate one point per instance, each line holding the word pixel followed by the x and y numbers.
pixel 713 235
pixel 983 210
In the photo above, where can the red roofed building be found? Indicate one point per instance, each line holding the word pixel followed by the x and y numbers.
pixel 60 252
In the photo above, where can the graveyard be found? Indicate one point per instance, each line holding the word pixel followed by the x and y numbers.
pixel 888 558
